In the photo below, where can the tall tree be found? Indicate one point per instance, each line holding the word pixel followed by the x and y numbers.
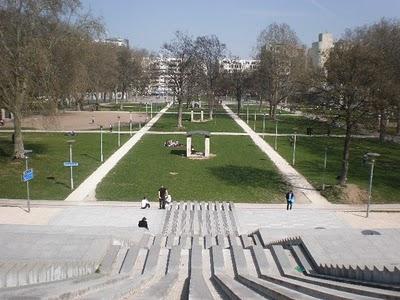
pixel 282 61
pixel 182 57
pixel 29 32
pixel 351 71
pixel 210 51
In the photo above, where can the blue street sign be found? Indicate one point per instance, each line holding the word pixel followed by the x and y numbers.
pixel 27 175
pixel 70 164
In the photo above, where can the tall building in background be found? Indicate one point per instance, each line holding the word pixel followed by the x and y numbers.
pixel 319 51
pixel 117 41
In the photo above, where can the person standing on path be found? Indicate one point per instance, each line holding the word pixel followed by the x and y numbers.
pixel 162 194
pixel 290 198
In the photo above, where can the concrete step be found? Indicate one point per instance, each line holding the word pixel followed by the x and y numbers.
pixel 285 266
pixel 232 288
pixel 161 288
pixel 267 289
pixel 246 241
pixel 106 265
pixel 197 286
pixel 302 261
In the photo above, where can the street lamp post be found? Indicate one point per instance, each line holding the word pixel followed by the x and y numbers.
pixel 264 126
pixel 130 124
pixel 247 114
pixel 276 134
pixel 294 149
pixel 371 157
pixel 28 198
pixel 151 110
pixel 101 143
pixel 70 142
pixel 325 165
pixel 255 119
pixel 119 131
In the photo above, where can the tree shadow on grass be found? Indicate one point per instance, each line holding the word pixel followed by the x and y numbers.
pixel 179 152
pixel 246 176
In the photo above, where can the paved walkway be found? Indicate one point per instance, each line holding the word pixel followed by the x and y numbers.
pixel 87 189
pixel 304 191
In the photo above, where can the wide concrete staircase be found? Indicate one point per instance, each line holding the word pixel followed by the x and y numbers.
pixel 199 254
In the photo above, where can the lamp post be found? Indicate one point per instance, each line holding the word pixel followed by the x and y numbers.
pixel 70 142
pixel 325 165
pixel 264 126
pixel 151 110
pixel 101 143
pixel 294 149
pixel 247 114
pixel 119 131
pixel 276 134
pixel 370 156
pixel 130 124
pixel 255 119
pixel 28 198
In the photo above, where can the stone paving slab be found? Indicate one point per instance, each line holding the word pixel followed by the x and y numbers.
pixel 252 219
pixel 109 216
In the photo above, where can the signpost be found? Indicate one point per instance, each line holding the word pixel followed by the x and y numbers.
pixel 27 176
pixel 119 131
pixel 101 144
pixel 70 163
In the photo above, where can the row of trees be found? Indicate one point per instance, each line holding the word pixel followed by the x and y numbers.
pixel 49 57
pixel 358 87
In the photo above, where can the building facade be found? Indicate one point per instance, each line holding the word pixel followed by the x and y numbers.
pixel 319 51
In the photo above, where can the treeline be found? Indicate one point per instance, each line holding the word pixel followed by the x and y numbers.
pixel 358 87
pixel 50 57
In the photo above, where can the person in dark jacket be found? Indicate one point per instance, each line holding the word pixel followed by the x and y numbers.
pixel 143 223
pixel 290 198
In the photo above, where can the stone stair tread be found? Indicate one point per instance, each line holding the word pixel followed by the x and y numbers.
pixel 197 286
pixel 109 258
pixel 319 291
pixel 234 289
pixel 347 287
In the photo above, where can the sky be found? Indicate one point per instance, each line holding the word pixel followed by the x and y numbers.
pixel 237 23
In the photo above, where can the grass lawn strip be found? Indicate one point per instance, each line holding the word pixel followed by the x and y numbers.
pixel 239 172
pixel 310 158
pixel 50 150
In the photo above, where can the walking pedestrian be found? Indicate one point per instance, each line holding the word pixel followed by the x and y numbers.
pixel 111 127
pixel 162 194
pixel 290 198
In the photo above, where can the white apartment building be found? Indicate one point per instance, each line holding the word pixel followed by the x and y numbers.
pixel 231 65
pixel 319 51
pixel 118 42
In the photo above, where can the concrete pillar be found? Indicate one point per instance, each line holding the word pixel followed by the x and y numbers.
pixel 3 114
pixel 191 116
pixel 188 146
pixel 200 104
pixel 207 146
pixel 201 116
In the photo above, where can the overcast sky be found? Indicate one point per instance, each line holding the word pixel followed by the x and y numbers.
pixel 150 23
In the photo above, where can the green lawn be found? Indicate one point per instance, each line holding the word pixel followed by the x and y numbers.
pixel 239 172
pixel 219 123
pixel 52 179
pixel 133 107
pixel 310 157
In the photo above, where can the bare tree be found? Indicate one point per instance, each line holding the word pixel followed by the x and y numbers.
pixel 282 61
pixel 181 52
pixel 210 51
pixel 346 90
pixel 29 33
